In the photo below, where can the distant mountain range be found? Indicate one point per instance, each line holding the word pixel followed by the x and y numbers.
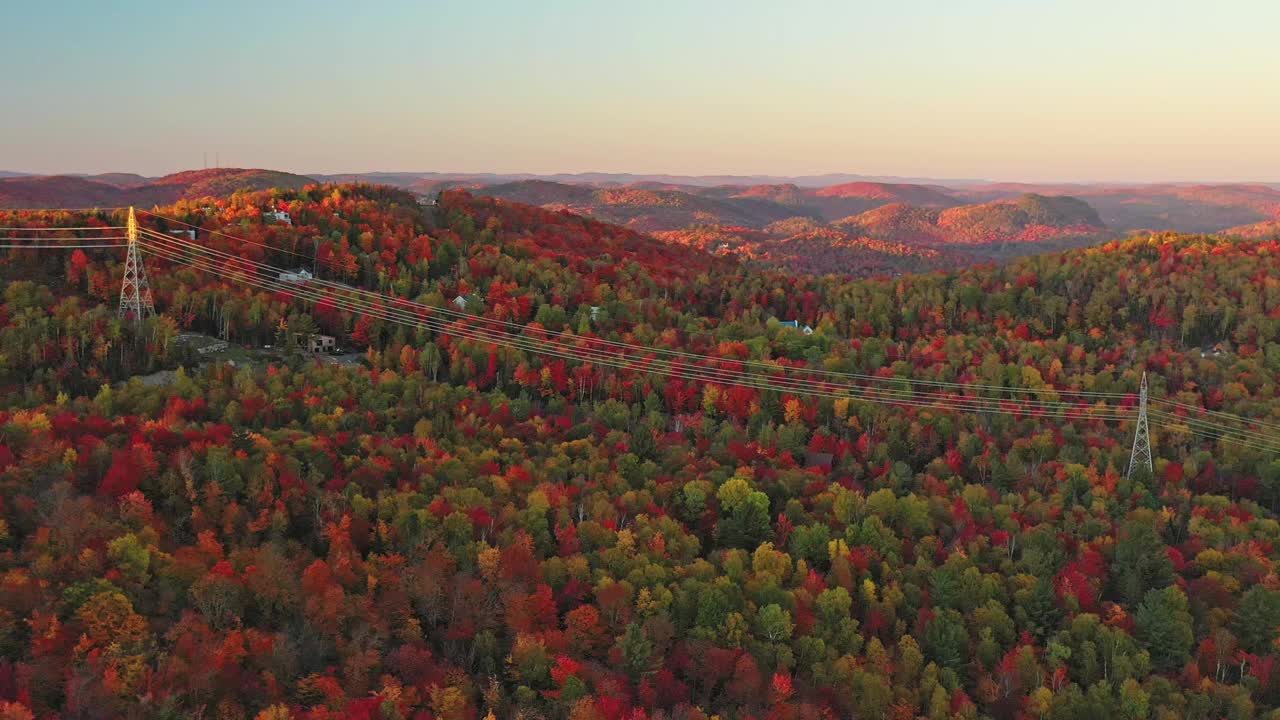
pixel 900 237
pixel 406 179
pixel 821 223
pixel 119 189
pixel 1187 207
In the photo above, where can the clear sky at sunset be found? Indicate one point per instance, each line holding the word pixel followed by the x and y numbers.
pixel 998 89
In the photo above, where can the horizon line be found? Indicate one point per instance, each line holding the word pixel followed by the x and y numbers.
pixel 868 177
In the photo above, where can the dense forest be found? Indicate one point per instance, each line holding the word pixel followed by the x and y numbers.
pixel 453 528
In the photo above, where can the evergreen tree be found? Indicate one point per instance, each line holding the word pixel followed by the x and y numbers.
pixel 1164 627
pixel 1141 561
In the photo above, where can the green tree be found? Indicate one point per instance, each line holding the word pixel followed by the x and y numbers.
pixel 1141 560
pixel 1163 624
pixel 637 652
pixel 947 641
pixel 744 515
pixel 774 623
pixel 1257 619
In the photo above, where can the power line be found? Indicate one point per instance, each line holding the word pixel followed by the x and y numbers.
pixel 366 307
pixel 1208 435
pixel 1192 424
pixel 190 254
pixel 1207 411
pixel 401 311
pixel 686 372
pixel 473 318
pixel 60 229
pixel 230 237
pixel 679 353
pixel 51 239
pixel 61 247
pixel 57 210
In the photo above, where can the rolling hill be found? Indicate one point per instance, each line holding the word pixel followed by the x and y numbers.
pixel 1030 219
pixel 657 207
pixel 124 189
pixel 755 201
pixel 850 224
pixel 643 209
pixel 899 237
pixel 838 201
pixel 1260 230
pixel 804 246
pixel 1185 208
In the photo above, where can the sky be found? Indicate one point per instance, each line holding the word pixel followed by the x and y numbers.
pixel 1012 90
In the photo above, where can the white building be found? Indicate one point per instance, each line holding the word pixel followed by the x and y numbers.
pixel 296 276
pixel 321 343
pixel 278 216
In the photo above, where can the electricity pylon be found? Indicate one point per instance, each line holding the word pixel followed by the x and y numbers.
pixel 135 291
pixel 1141 454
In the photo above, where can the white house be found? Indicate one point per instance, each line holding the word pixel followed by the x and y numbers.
pixel 278 216
pixel 296 276
pixel 179 233
pixel 460 302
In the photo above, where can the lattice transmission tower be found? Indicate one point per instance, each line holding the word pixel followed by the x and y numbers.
pixel 1141 455
pixel 135 291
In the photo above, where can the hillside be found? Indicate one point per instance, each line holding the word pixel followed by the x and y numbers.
pixel 1185 208
pixel 991 221
pixel 838 201
pixel 897 238
pixel 916 225
pixel 404 179
pixel 120 190
pixel 873 226
pixel 643 209
pixel 655 207
pixel 616 486
pixel 1029 218
pixel 121 180
pixel 1029 221
pixel 59 191
pixel 802 245
pixel 1256 231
